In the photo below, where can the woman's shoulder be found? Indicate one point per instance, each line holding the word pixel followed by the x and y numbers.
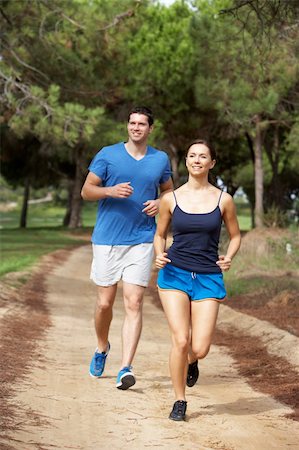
pixel 180 189
pixel 168 197
pixel 226 199
pixel 226 196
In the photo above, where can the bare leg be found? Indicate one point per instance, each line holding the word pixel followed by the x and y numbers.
pixel 176 306
pixel 132 326
pixel 103 314
pixel 204 316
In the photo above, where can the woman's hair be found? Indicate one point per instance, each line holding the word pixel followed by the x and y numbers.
pixel 206 144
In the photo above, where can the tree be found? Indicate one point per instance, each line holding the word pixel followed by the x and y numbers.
pixel 266 14
pixel 160 64
pixel 54 75
pixel 246 88
pixel 22 161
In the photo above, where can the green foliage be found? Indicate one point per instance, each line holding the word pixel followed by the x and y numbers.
pixel 241 79
pixel 70 71
pixel 47 119
pixel 161 59
pixel 292 141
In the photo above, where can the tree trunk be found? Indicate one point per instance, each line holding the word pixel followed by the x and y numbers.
pixel 23 218
pixel 250 146
pixel 67 216
pixel 251 152
pixel 275 176
pixel 174 165
pixel 252 215
pixel 272 147
pixel 258 175
pixel 76 200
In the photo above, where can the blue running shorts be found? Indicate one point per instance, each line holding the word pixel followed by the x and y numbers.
pixel 198 286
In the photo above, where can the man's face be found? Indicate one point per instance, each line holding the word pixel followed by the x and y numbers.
pixel 138 128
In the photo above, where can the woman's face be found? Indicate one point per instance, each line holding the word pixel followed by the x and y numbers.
pixel 198 159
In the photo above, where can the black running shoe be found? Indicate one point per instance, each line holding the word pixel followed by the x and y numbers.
pixel 193 373
pixel 178 411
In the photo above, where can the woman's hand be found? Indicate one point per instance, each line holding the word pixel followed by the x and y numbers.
pixel 151 207
pixel 224 262
pixel 162 260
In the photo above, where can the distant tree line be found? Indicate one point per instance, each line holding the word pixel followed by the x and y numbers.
pixel 224 70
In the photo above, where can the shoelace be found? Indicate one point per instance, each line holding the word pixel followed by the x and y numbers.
pixel 180 408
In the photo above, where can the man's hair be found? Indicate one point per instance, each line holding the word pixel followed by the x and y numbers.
pixel 142 110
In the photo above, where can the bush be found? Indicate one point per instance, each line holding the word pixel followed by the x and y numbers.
pixel 275 218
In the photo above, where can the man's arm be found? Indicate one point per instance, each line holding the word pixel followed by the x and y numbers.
pixel 166 187
pixel 93 190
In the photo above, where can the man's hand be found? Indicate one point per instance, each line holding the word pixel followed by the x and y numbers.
pixel 162 260
pixel 151 207
pixel 121 190
pixel 224 262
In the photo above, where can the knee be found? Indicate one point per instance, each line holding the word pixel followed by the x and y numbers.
pixel 103 305
pixel 181 343
pixel 133 305
pixel 201 352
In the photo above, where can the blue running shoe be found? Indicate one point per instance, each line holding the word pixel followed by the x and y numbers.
pixel 125 378
pixel 98 362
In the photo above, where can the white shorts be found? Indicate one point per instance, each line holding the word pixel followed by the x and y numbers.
pixel 131 263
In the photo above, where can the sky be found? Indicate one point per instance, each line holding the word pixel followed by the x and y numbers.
pixel 167 2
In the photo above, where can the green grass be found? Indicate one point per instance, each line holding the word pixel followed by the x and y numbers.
pixel 258 284
pixel 21 248
pixel 244 215
pixel 263 263
pixel 46 215
pixel 244 222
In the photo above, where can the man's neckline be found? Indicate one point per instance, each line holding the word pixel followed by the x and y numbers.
pixel 139 157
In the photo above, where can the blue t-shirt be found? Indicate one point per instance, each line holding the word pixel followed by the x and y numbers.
pixel 120 220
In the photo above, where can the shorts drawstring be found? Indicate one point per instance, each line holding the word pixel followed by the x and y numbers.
pixel 193 275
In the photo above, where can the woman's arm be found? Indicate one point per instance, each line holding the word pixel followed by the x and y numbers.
pixel 232 226
pixel 162 228
pixel 152 206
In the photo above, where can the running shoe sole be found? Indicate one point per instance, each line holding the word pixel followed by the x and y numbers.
pixel 127 380
pixel 95 376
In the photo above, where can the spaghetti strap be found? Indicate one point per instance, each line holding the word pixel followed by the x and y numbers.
pixel 220 197
pixel 175 198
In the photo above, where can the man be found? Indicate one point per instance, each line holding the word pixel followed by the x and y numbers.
pixel 125 179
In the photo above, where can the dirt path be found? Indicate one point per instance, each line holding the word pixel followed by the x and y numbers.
pixel 60 407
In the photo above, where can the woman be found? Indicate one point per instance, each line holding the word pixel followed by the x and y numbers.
pixel 190 281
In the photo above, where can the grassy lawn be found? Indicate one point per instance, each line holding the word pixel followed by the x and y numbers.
pixel 21 248
pixel 262 259
pixel 46 215
pixel 244 215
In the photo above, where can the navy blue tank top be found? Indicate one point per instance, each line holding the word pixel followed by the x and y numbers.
pixel 196 240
